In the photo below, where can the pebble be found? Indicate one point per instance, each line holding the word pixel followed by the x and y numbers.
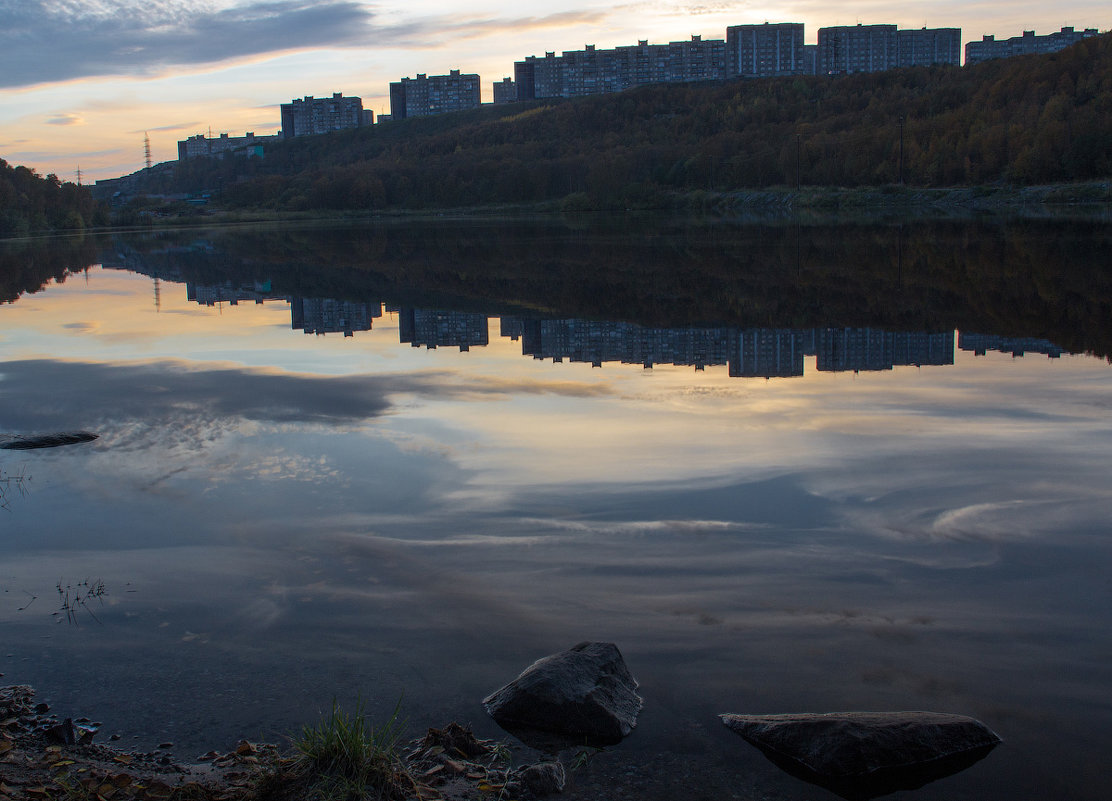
pixel 165 745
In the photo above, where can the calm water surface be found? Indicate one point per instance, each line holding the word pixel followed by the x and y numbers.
pixel 897 518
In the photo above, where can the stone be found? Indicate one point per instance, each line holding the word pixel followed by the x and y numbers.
pixel 585 692
pixel 540 780
pixel 27 443
pixel 862 755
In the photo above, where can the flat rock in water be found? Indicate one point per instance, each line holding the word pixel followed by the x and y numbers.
pixel 31 442
pixel 862 755
pixel 585 692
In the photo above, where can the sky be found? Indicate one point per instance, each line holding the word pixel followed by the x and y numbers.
pixel 83 81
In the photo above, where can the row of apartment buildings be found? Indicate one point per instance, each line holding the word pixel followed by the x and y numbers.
pixel 748 51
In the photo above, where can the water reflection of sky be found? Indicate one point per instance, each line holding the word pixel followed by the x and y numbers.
pixel 281 518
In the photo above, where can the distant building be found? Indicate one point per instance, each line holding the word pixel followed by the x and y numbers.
pixel 927 46
pixel 505 91
pixel 317 115
pixel 766 353
pixel 368 117
pixel 329 316
pixel 980 344
pixel 427 95
pixel 590 71
pixel 763 51
pixel 219 146
pixel 1027 44
pixel 433 328
pixel 848 49
pixel 811 59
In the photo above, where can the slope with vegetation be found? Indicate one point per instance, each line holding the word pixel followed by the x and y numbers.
pixel 30 203
pixel 1022 121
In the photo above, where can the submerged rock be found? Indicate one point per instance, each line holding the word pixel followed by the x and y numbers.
pixel 862 755
pixel 31 442
pixel 585 692
pixel 540 780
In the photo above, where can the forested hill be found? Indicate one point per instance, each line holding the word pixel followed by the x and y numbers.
pixel 30 203
pixel 1024 120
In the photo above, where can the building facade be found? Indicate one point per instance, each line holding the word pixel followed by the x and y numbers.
pixel 764 51
pixel 219 146
pixel 1027 44
pixel 505 91
pixel 927 46
pixel 848 49
pixel 317 115
pixel 427 95
pixel 590 71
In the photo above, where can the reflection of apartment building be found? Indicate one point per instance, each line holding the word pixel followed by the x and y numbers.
pixel 1027 44
pixel 980 344
pixel 918 348
pixel 327 316
pixel 762 51
pixel 201 145
pixel 433 328
pixel 766 353
pixel 590 71
pixel 596 342
pixel 853 349
pixel 427 95
pixel 231 293
pixel 317 115
pixel 863 349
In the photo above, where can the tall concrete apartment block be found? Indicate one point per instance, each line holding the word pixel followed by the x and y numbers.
pixel 764 51
pixel 1027 44
pixel 201 145
pixel 316 115
pixel 926 46
pixel 505 91
pixel 846 49
pixel 426 95
pixel 590 71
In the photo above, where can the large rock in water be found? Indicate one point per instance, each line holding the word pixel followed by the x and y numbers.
pixel 29 442
pixel 862 755
pixel 585 692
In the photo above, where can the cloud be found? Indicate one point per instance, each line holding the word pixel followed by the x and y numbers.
pixel 38 395
pixel 66 119
pixel 43 41
pixel 181 126
pixel 433 31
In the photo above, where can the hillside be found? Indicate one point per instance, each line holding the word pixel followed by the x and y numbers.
pixel 1025 120
pixel 30 203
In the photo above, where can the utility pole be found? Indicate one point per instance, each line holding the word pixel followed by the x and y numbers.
pixel 79 175
pixel 901 150
pixel 147 148
pixel 797 147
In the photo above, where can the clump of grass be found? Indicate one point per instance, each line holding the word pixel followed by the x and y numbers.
pixel 345 758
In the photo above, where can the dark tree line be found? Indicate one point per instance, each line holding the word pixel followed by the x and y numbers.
pixel 1044 278
pixel 30 203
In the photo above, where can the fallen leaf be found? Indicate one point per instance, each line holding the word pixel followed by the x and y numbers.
pixel 123 758
pixel 61 764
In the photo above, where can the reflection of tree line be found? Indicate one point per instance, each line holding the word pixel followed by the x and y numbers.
pixel 1015 278
pixel 29 265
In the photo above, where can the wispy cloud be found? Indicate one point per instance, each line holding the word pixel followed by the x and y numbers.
pixel 66 119
pixel 44 41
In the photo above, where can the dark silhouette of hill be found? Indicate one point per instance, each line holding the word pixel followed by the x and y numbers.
pixel 30 203
pixel 1024 120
